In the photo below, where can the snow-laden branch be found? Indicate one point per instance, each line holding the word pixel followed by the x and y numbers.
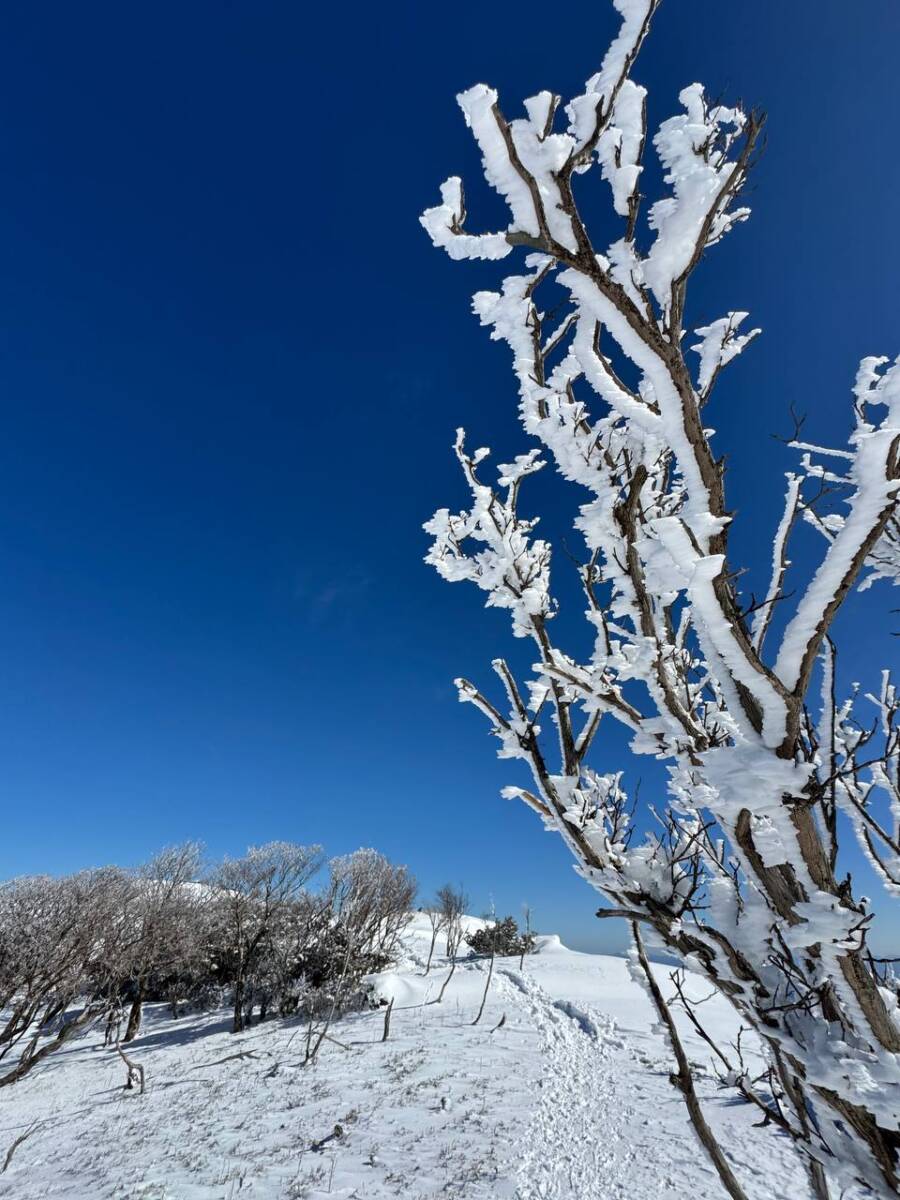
pixel 742 876
pixel 694 149
pixel 512 568
pixel 719 344
pixel 874 473
pixel 883 556
pixel 445 227
pixel 780 562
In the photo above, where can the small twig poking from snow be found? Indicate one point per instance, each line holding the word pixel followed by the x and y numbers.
pixel 334 1041
pixel 487 984
pixel 684 1079
pixel 387 1020
pixel 133 1070
pixel 241 1054
pixel 33 1128
pixel 312 1048
pixel 440 995
pixel 336 1133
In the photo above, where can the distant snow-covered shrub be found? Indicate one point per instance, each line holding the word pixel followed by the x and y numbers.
pixel 502 938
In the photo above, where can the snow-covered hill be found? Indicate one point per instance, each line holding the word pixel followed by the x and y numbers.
pixel 570 1098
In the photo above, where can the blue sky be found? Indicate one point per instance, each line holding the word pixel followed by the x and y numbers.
pixel 232 365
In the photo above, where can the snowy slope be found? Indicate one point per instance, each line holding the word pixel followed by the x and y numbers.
pixel 570 1098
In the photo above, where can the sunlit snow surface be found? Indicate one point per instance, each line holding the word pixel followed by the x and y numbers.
pixel 570 1098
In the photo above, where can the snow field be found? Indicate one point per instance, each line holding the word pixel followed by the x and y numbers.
pixel 569 1098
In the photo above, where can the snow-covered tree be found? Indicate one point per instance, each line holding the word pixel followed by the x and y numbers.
pixel 62 945
pixel 372 899
pixel 453 903
pixel 254 892
pixel 167 907
pixel 744 879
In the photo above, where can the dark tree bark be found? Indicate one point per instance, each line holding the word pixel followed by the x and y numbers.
pixel 237 1024
pixel 135 1016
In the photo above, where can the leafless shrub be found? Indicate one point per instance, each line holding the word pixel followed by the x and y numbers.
pixel 437 921
pixel 453 902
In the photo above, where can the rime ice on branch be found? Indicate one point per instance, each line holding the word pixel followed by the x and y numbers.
pixel 744 880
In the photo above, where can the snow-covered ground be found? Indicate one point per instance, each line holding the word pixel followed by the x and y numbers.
pixel 570 1098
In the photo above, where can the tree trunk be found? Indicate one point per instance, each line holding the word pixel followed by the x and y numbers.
pixel 31 1059
pixel 486 987
pixel 238 1023
pixel 134 1072
pixel 434 934
pixel 135 1015
pixel 446 981
pixel 54 1010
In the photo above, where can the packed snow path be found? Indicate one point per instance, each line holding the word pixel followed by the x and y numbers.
pixel 569 1099
pixel 607 1123
pixel 604 1121
pixel 562 1154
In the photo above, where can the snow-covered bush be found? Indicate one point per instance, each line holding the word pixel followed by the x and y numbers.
pixel 254 894
pixel 744 880
pixel 252 932
pixel 372 900
pixel 332 972
pixel 62 943
pixel 170 918
pixel 501 938
pixel 283 948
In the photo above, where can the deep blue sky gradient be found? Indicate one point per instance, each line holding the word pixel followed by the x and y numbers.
pixel 232 365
